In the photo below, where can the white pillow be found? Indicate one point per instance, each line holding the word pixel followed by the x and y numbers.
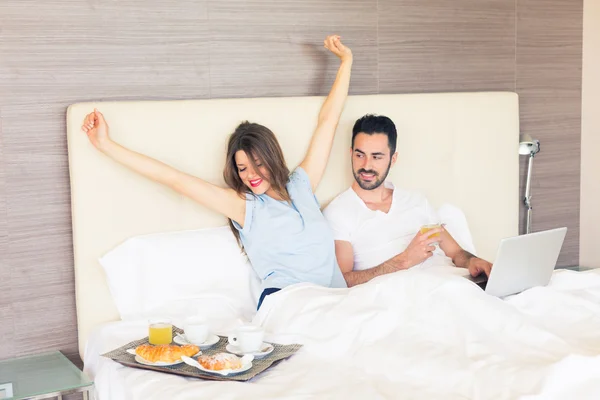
pixel 457 226
pixel 203 268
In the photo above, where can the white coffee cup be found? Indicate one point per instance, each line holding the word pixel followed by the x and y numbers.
pixel 247 338
pixel 196 330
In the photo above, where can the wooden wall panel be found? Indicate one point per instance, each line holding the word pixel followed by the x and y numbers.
pixel 429 46
pixel 548 76
pixel 274 48
pixel 6 314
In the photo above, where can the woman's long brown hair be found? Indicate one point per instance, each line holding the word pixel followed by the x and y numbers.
pixel 259 143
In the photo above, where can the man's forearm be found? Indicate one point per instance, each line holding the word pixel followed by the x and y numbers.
pixel 394 264
pixel 354 278
pixel 461 259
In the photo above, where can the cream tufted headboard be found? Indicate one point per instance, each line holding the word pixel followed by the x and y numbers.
pixel 454 147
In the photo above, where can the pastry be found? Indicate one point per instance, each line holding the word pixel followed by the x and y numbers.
pixel 220 361
pixel 165 352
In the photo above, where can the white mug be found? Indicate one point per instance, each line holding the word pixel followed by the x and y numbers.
pixel 196 330
pixel 248 338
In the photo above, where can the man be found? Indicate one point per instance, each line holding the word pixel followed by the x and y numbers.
pixel 376 226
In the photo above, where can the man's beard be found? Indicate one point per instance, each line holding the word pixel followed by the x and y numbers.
pixel 374 184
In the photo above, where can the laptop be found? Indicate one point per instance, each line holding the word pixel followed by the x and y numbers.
pixel 523 262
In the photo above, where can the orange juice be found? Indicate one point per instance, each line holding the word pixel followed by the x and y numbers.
pixel 160 333
pixel 427 228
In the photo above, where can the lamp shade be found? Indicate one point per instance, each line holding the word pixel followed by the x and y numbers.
pixel 528 145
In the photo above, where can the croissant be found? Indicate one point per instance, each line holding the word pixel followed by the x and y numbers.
pixel 220 361
pixel 165 352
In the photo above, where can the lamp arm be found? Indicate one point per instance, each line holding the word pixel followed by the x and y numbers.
pixel 527 198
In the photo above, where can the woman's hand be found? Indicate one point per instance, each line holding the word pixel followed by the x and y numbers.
pixel 334 44
pixel 96 128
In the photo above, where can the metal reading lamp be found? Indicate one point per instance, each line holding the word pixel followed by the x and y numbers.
pixel 528 146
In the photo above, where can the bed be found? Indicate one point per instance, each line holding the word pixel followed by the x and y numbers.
pixel 416 334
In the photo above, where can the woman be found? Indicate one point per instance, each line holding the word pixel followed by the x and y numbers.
pixel 274 214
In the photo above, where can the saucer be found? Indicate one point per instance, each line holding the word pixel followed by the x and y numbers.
pixel 246 365
pixel 265 350
pixel 211 340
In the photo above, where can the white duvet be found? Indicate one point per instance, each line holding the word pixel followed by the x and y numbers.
pixel 409 335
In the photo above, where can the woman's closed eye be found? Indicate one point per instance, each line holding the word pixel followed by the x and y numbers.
pixel 242 169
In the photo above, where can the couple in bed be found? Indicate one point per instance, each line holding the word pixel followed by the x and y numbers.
pixel 276 217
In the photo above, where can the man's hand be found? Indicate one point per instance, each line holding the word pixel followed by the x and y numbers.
pixel 419 249
pixel 477 265
pixel 462 258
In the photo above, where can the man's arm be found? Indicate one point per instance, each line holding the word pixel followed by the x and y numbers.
pixel 462 258
pixel 345 258
pixel 419 249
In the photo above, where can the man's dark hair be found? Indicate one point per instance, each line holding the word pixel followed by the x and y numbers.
pixel 372 124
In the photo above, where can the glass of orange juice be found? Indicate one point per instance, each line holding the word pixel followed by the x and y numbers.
pixel 160 331
pixel 427 228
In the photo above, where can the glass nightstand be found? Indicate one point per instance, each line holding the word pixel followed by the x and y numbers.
pixel 42 376
pixel 578 268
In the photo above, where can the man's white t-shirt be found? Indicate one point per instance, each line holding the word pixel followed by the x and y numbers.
pixel 377 236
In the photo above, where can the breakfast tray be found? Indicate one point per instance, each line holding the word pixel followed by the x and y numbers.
pixel 280 352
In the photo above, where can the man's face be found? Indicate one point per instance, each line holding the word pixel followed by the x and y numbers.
pixel 371 160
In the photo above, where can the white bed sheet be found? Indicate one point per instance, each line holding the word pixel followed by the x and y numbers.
pixel 414 334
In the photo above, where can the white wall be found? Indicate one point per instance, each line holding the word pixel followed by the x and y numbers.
pixel 590 137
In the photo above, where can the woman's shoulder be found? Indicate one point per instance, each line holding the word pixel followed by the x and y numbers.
pixel 298 175
pixel 299 179
pixel 299 186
